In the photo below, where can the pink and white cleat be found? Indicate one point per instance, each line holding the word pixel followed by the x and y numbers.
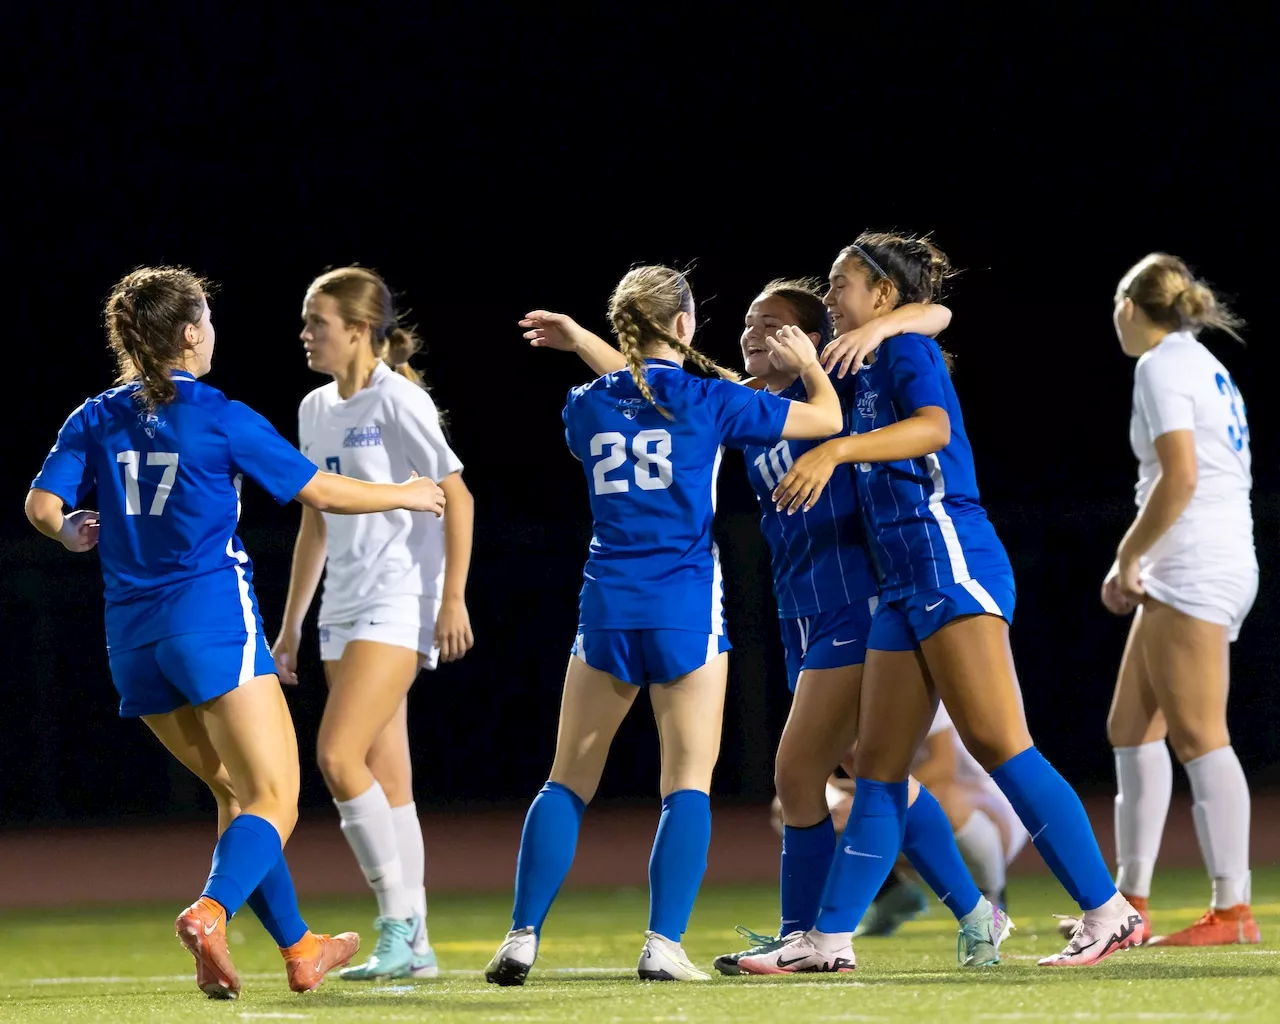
pixel 801 952
pixel 1111 927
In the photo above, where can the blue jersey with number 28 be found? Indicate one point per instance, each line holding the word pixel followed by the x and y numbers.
pixel 168 488
pixel 653 563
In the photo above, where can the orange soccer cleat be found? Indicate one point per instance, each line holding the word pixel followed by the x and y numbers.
pixel 309 959
pixel 1229 927
pixel 202 928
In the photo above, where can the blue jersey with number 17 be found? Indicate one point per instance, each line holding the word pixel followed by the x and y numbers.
pixel 819 557
pixel 652 483
pixel 925 526
pixel 168 501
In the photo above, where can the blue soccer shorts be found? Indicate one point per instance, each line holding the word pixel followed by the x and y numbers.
pixel 644 656
pixel 834 639
pixel 904 624
pixel 191 668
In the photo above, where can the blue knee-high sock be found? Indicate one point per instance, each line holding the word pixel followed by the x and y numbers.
pixel 806 859
pixel 678 861
pixel 246 851
pixel 866 854
pixel 547 845
pixel 1053 814
pixel 275 902
pixel 930 845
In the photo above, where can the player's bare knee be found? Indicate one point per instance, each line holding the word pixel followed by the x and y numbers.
pixel 1195 739
pixel 801 790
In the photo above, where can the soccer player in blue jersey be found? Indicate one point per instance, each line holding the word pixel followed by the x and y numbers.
pixel 825 593
pixel 941 627
pixel 166 455
pixel 649 438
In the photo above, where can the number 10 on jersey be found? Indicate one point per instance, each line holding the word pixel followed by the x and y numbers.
pixel 649 450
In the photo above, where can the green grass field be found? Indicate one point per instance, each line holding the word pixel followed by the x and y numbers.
pixel 126 965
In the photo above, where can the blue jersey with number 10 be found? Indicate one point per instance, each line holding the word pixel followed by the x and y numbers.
pixel 925 527
pixel 653 563
pixel 168 488
pixel 819 557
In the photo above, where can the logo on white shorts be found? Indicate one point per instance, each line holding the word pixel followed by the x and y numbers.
pixel 931 607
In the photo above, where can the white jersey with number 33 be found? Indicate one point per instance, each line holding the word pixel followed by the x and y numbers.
pixel 381 433
pixel 1181 385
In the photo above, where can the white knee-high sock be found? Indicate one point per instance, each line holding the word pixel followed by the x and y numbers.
pixel 1221 813
pixel 983 851
pixel 371 833
pixel 1144 787
pixel 412 858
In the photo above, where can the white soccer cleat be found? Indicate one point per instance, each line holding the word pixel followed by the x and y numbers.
pixel 510 965
pixel 1111 927
pixel 799 954
pixel 664 960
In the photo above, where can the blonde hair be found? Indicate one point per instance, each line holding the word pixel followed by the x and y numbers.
pixel 363 297
pixel 1172 297
pixel 146 315
pixel 641 310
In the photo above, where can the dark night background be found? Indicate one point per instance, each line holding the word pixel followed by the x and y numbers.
pixel 492 159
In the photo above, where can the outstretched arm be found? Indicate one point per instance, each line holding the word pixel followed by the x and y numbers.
pixel 345 495
pixel 544 329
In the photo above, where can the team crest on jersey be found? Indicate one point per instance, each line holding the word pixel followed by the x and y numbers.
pixel 150 423
pixel 867 404
pixel 362 437
pixel 630 407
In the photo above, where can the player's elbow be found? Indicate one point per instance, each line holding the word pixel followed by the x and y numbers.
pixel 43 508
pixel 935 428
pixel 831 421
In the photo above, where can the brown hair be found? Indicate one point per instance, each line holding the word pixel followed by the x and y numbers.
pixel 641 309
pixel 916 268
pixel 364 298
pixel 146 316
pixel 1171 296
pixel 804 294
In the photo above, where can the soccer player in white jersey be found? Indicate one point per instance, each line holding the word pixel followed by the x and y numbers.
pixel 394 593
pixel 1187 571
pixel 651 609
pixel 166 454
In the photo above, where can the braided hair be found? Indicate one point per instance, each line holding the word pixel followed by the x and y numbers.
pixel 641 310
pixel 146 315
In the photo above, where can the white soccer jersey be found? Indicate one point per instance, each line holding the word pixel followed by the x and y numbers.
pixel 381 433
pixel 1180 385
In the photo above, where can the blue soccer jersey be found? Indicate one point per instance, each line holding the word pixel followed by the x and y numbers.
pixel 819 558
pixel 169 502
pixel 926 529
pixel 652 483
